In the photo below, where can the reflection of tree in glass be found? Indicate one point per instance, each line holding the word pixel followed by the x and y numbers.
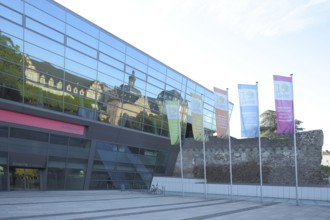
pixel 10 68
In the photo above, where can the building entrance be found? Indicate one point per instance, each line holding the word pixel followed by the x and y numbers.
pixel 24 178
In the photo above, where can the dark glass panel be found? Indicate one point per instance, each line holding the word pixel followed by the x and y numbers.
pixel 75 179
pixel 29 135
pixel 78 148
pixel 55 179
pixel 59 139
pixel 3 131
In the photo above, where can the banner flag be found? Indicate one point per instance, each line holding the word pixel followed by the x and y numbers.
pixel 221 112
pixel 197 117
pixel 248 99
pixel 284 104
pixel 172 109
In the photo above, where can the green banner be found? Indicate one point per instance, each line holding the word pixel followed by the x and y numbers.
pixel 172 109
pixel 197 117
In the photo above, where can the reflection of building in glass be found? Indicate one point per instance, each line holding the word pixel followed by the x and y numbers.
pixel 79 107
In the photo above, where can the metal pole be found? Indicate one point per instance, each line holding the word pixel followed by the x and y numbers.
pixel 229 147
pixel 295 145
pixel 260 158
pixel 205 193
pixel 181 160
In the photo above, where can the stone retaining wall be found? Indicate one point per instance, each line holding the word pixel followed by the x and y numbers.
pixel 277 159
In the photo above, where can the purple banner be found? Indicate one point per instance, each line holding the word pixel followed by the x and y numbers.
pixel 284 104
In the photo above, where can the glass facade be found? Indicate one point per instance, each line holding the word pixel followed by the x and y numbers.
pixel 53 59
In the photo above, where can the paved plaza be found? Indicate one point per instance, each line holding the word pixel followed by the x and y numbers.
pixel 141 205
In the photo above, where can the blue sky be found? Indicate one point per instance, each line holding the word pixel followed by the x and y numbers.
pixel 223 43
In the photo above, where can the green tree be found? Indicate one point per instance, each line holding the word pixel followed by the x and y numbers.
pixel 10 68
pixel 268 124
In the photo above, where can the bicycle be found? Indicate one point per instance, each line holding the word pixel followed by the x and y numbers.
pixel 155 189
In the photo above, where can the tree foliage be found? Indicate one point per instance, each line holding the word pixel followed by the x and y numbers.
pixel 268 124
pixel 10 68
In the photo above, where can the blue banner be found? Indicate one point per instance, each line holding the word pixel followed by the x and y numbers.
pixel 248 99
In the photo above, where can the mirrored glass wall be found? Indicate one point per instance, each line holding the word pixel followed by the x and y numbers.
pixel 54 59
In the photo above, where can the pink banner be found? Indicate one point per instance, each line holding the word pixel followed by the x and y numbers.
pixel 34 121
pixel 284 104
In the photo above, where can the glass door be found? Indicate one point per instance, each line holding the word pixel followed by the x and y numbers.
pixel 24 179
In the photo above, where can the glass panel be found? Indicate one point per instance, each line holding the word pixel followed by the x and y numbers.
pixel 9 14
pixel 174 75
pixel 112 52
pixel 81 47
pixel 78 148
pixel 83 25
pixel 81 58
pixel 173 84
pixel 81 36
pixel 137 55
pixel 44 55
pixel 136 64
pixel 17 5
pixel 55 178
pixel 191 85
pixel 46 31
pixel 44 42
pixel 50 8
pixel 3 131
pixel 112 72
pixel 111 61
pixel 112 41
pixel 158 75
pixel 156 82
pixel 157 66
pixel 109 80
pixel 8 27
pixel 137 73
pixel 80 70
pixel 28 134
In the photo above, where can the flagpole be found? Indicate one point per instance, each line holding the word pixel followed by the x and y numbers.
pixel 181 160
pixel 295 145
pixel 205 194
pixel 259 140
pixel 229 147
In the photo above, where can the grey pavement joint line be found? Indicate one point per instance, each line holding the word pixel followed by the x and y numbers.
pixel 157 210
pixel 108 210
pixel 89 200
pixel 229 212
